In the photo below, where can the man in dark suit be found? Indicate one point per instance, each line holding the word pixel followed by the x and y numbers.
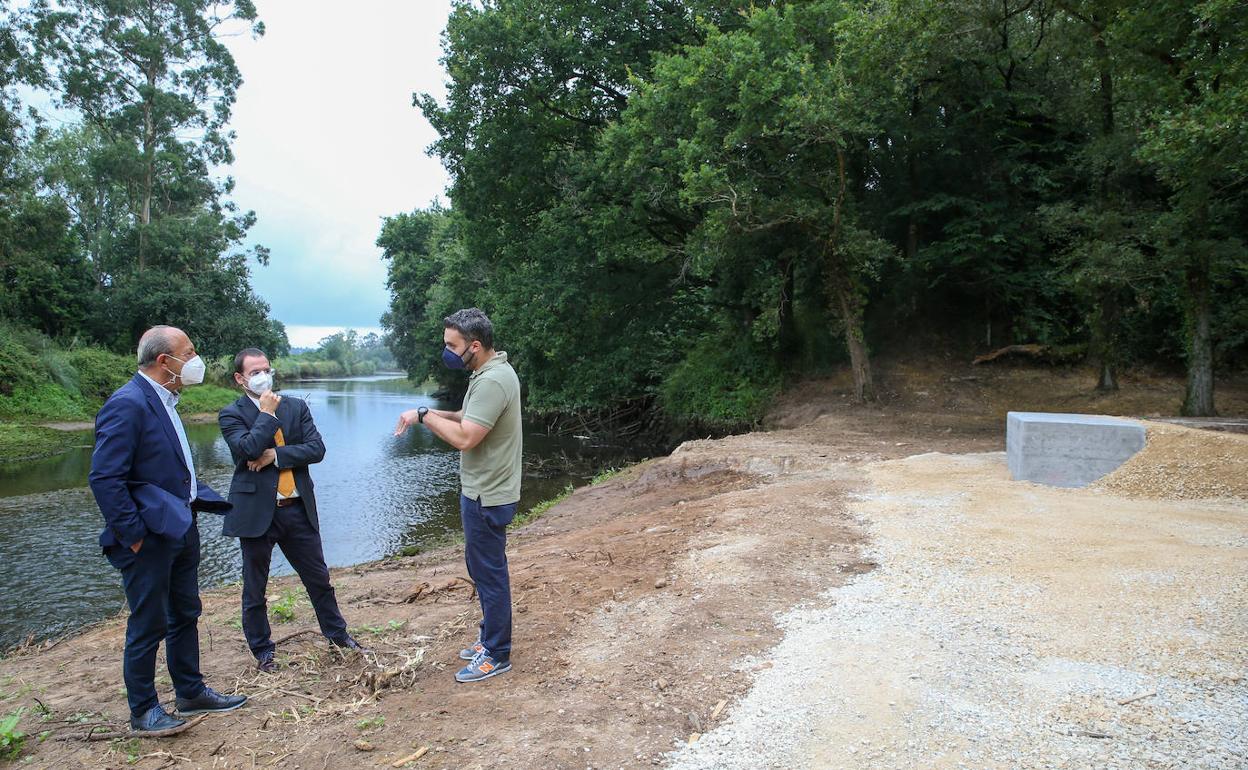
pixel 273 441
pixel 143 478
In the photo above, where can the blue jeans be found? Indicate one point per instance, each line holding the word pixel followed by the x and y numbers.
pixel 485 552
pixel 162 589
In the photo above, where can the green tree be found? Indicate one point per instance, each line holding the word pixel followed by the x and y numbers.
pixel 156 233
pixel 429 276
pixel 1192 67
pixel 155 79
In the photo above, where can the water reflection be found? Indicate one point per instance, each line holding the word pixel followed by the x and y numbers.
pixel 376 494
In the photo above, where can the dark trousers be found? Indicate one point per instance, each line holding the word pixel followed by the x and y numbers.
pixel 292 532
pixel 485 552
pixel 162 589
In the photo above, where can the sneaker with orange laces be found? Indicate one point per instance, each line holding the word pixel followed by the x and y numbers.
pixel 481 667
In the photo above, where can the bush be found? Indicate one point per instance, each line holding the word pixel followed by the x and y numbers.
pixel 46 401
pixel 11 739
pixel 220 371
pixel 58 366
pixel 18 366
pixel 300 368
pixel 727 385
pixel 100 372
pixel 205 398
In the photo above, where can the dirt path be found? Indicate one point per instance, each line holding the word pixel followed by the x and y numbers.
pixel 636 600
pixel 1015 626
pixel 642 605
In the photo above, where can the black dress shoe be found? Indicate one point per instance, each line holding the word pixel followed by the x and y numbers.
pixel 349 644
pixel 156 721
pixel 266 662
pixel 209 700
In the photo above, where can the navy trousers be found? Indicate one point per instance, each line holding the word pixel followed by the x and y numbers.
pixel 485 551
pixel 292 532
pixel 162 589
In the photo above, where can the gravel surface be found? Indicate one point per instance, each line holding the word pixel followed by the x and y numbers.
pixel 1009 625
pixel 1182 463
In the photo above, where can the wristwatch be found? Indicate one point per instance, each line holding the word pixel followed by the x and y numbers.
pixel 420 414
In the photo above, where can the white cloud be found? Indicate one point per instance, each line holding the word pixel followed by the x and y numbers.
pixel 329 143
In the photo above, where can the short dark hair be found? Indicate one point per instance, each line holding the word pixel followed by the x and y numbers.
pixel 243 355
pixel 473 324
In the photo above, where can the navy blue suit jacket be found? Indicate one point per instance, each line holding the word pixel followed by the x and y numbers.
pixel 138 475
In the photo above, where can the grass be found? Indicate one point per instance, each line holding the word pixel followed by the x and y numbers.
pixel 11 739
pixel 283 610
pixel 205 398
pixel 539 510
pixel 606 475
pixel 371 723
pixel 26 442
pixel 21 438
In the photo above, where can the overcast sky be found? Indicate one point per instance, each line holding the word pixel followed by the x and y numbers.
pixel 328 144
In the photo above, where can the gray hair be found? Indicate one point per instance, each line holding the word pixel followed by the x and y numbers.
pixel 473 325
pixel 156 341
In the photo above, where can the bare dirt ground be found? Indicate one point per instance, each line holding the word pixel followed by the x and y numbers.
pixel 646 606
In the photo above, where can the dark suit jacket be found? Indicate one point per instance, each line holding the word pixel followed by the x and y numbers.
pixel 138 474
pixel 249 432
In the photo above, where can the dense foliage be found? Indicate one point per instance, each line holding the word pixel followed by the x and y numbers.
pixel 686 203
pixel 112 220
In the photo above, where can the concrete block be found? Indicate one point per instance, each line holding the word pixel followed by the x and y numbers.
pixel 1068 450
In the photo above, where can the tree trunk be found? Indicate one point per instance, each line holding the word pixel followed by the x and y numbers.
pixel 859 360
pixel 1103 340
pixel 844 297
pixel 912 187
pixel 1199 399
pixel 149 163
pixel 1107 317
pixel 788 327
pixel 1108 381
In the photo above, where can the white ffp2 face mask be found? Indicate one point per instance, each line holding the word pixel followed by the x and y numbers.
pixel 192 371
pixel 260 383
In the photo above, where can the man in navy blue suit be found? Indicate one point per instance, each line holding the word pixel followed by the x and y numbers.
pixel 273 441
pixel 143 478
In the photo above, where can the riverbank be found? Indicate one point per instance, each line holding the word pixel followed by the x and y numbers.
pixel 27 438
pixel 646 610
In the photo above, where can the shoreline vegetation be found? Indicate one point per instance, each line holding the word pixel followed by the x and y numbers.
pixel 50 391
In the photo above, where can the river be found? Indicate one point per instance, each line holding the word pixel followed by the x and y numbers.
pixel 376 494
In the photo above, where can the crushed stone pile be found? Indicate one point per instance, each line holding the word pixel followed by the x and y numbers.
pixel 1181 463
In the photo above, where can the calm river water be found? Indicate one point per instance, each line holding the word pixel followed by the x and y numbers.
pixel 376 494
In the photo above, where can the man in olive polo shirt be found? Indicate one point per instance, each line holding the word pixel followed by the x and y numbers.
pixel 487 431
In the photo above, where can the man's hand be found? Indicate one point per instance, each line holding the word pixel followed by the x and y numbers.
pixel 269 401
pixel 267 457
pixel 137 545
pixel 408 418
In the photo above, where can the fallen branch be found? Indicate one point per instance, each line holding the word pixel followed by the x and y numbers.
pixel 1035 351
pixel 423 750
pixel 295 635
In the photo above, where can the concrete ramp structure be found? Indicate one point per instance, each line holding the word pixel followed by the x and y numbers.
pixel 1068 450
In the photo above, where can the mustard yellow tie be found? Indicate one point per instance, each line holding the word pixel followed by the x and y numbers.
pixel 285 476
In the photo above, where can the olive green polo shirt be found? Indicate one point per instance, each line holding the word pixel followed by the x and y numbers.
pixel 491 470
